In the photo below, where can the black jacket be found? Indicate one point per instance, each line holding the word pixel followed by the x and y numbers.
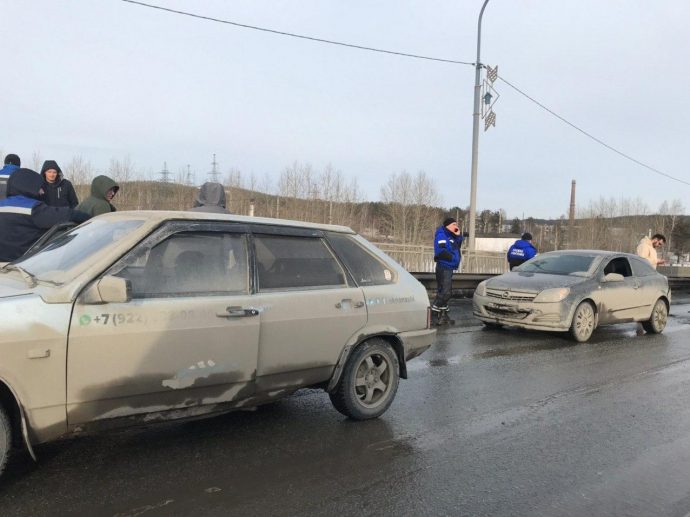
pixel 60 192
pixel 24 217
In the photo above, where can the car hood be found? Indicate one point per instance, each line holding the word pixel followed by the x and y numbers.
pixel 534 282
pixel 11 284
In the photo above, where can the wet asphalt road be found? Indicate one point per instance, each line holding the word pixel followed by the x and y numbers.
pixel 502 422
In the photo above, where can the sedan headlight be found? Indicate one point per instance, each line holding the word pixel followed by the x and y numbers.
pixel 552 295
pixel 481 289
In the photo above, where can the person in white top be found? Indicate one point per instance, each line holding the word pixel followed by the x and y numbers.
pixel 647 250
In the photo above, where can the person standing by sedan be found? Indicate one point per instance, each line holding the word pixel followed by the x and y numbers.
pixel 58 190
pixel 103 190
pixel 447 241
pixel 210 198
pixel 646 249
pixel 521 251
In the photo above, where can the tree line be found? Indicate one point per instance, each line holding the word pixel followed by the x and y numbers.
pixel 407 213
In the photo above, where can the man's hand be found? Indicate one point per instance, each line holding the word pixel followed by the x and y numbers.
pixel 465 234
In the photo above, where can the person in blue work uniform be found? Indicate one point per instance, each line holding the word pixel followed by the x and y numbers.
pixel 447 241
pixel 24 217
pixel 521 251
pixel 11 164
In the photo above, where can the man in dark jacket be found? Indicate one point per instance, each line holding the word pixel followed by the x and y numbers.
pixel 103 190
pixel 521 251
pixel 210 198
pixel 24 217
pixel 447 241
pixel 12 163
pixel 58 190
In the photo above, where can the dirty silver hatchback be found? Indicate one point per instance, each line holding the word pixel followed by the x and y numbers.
pixel 137 317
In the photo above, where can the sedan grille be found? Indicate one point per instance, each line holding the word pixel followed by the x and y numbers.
pixel 504 294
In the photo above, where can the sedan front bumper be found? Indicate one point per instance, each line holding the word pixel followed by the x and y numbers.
pixel 529 315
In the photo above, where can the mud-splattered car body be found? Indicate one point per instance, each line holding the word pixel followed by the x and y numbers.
pixel 142 316
pixel 545 292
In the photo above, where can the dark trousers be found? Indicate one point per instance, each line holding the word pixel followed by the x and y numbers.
pixel 444 281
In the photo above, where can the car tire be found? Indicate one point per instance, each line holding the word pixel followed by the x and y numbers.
pixel 490 325
pixel 369 381
pixel 657 321
pixel 584 320
pixel 5 438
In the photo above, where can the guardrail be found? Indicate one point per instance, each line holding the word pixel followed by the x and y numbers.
pixel 421 258
pixel 464 284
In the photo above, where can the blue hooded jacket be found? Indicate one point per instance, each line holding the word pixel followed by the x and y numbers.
pixel 521 251
pixel 447 248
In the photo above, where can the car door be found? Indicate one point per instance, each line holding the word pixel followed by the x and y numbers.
pixel 651 285
pixel 309 308
pixel 188 336
pixel 618 300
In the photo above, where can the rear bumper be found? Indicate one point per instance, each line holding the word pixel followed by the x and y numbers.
pixel 416 342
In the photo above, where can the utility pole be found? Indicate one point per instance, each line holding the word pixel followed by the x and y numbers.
pixel 213 175
pixel 475 132
pixel 165 173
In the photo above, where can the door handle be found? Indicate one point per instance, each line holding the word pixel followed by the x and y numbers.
pixel 235 311
pixel 348 301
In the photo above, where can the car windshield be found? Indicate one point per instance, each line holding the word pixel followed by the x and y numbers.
pixel 558 264
pixel 75 246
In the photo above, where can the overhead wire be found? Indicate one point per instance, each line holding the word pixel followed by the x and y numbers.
pixel 414 56
pixel 589 135
pixel 300 36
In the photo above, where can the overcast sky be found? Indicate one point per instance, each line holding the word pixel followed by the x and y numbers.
pixel 105 79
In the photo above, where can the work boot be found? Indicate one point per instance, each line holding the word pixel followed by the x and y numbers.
pixel 444 319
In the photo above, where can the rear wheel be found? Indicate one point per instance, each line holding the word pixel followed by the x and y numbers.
pixel 5 438
pixel 658 319
pixel 583 322
pixel 369 382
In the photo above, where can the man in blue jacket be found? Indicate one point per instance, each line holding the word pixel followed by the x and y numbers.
pixel 12 163
pixel 521 251
pixel 24 217
pixel 447 257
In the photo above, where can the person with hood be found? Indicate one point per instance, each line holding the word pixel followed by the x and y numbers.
pixel 12 163
pixel 210 198
pixel 521 251
pixel 24 217
pixel 58 190
pixel 447 241
pixel 103 190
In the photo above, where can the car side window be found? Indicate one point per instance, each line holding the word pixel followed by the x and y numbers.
pixel 295 263
pixel 618 265
pixel 366 268
pixel 642 267
pixel 190 264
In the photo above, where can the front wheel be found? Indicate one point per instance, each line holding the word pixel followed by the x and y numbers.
pixel 583 322
pixel 369 382
pixel 5 438
pixel 658 319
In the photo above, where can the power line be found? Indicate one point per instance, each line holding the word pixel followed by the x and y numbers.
pixel 597 140
pixel 415 56
pixel 300 36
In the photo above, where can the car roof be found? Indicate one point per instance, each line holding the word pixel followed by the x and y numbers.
pixel 154 216
pixel 595 253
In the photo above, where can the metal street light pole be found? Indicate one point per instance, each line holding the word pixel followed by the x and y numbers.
pixel 475 132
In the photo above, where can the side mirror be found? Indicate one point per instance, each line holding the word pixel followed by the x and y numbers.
pixel 109 289
pixel 613 277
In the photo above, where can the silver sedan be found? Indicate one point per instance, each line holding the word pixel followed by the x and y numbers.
pixel 575 291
